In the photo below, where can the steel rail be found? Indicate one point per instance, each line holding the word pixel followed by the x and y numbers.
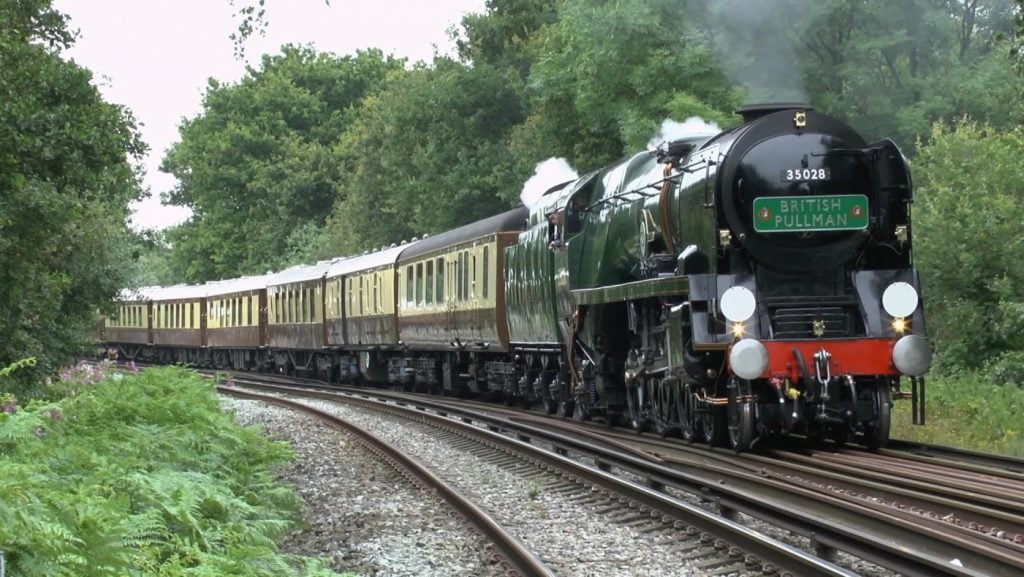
pixel 963 458
pixel 518 560
pixel 893 540
pixel 774 555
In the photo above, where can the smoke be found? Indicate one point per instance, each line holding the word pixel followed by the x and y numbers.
pixel 672 130
pixel 759 49
pixel 547 174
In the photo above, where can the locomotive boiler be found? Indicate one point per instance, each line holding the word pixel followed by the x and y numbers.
pixel 731 287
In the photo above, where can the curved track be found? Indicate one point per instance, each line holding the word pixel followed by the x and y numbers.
pixel 910 517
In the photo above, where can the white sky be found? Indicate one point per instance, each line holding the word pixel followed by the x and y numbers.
pixel 155 56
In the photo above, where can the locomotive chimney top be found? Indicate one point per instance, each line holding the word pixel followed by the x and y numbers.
pixel 751 112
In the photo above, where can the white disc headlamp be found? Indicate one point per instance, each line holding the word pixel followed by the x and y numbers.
pixel 738 304
pixel 900 299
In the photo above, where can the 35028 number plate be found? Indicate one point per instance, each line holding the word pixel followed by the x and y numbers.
pixel 810 213
pixel 806 174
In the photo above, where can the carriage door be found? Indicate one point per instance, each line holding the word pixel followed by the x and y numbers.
pixel 451 290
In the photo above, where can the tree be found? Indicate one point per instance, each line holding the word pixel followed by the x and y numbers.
pixel 968 244
pixel 427 154
pixel 891 69
pixel 257 164
pixel 607 75
pixel 1017 40
pixel 505 36
pixel 66 177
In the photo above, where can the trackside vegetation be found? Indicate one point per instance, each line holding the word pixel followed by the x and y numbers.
pixel 968 212
pixel 140 474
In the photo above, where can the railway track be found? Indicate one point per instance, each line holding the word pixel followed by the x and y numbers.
pixel 938 521
pixel 723 546
pixel 519 560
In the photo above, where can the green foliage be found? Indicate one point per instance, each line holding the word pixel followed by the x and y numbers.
pixel 974 410
pixel 505 36
pixel 427 154
pixel 66 178
pixel 20 364
pixel 893 68
pixel 968 246
pixel 257 163
pixel 1017 40
pixel 141 474
pixel 606 77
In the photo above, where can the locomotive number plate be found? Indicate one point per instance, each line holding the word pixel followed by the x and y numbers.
pixel 810 213
pixel 806 174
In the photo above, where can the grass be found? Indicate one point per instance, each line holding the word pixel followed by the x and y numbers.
pixel 968 411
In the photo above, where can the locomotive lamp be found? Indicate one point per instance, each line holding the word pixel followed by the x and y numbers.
pixel 912 355
pixel 899 325
pixel 900 299
pixel 737 330
pixel 738 304
pixel 748 358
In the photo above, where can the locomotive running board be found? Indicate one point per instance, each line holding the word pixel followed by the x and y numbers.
pixel 632 291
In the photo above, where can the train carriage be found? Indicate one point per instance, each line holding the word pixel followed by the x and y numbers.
pixel 296 331
pixel 451 300
pixel 177 327
pixel 236 322
pixel 126 331
pixel 361 315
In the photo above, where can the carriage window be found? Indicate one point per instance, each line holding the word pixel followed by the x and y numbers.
pixel 440 280
pixel 465 275
pixel 380 294
pixel 376 293
pixel 419 284
pixel 429 297
pixel 458 278
pixel 473 290
pixel 362 292
pixel 409 293
pixel 486 276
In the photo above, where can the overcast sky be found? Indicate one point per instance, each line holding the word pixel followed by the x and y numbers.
pixel 155 56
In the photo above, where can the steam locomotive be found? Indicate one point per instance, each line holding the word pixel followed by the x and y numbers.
pixel 728 287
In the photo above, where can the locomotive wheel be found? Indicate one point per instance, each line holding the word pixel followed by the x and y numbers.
pixel 711 426
pixel 684 406
pixel 566 408
pixel 741 421
pixel 840 435
pixel 550 406
pixel 876 433
pixel 634 416
pixel 580 412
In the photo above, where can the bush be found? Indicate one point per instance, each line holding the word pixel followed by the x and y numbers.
pixel 142 474
pixel 968 245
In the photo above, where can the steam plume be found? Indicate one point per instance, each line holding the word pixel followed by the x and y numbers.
pixel 692 126
pixel 547 174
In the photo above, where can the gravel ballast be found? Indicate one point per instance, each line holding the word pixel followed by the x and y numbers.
pixel 368 520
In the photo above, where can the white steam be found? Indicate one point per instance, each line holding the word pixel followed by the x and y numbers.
pixel 547 174
pixel 672 130
pixel 759 49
